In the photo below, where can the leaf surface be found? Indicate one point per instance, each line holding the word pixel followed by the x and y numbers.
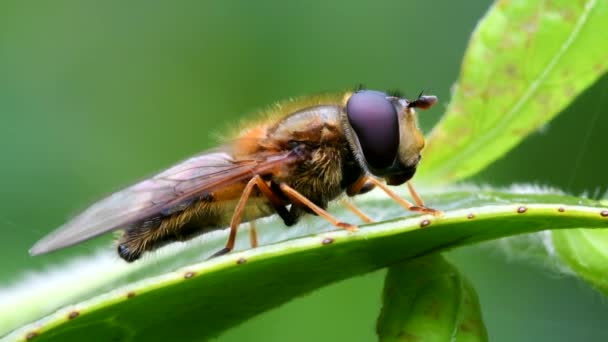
pixel 526 61
pixel 203 299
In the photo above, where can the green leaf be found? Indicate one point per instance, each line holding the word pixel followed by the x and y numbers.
pixel 526 61
pixel 203 299
pixel 585 252
pixel 427 299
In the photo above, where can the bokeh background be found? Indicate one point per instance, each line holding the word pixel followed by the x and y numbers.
pixel 95 95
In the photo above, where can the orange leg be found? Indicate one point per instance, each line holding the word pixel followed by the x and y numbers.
pixel 414 194
pixel 361 186
pixel 297 197
pixel 240 207
pixel 253 235
pixel 351 206
pixel 419 207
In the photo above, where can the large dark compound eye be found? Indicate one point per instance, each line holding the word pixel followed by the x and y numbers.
pixel 374 120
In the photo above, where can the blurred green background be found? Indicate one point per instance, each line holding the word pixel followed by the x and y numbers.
pixel 96 95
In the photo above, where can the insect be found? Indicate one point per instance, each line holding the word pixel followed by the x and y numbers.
pixel 305 154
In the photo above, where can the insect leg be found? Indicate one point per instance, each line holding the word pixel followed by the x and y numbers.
pixel 361 186
pixel 276 202
pixel 297 197
pixel 253 234
pixel 404 203
pixel 352 207
pixel 238 216
pixel 289 218
pixel 414 194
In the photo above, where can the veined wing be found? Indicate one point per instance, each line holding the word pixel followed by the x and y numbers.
pixel 160 194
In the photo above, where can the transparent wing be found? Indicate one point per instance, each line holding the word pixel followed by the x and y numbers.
pixel 159 194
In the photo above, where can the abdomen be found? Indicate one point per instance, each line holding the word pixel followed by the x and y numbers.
pixel 211 211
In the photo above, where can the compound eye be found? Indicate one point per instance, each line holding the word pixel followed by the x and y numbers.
pixel 374 120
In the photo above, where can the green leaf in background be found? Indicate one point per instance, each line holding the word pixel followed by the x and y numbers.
pixel 427 299
pixel 204 299
pixel 526 61
pixel 585 252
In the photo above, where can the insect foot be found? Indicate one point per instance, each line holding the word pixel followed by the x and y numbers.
pixel 425 210
pixel 347 226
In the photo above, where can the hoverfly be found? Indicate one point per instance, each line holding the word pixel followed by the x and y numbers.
pixel 306 153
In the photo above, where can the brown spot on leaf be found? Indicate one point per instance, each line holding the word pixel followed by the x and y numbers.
pixel 503 3
pixel 604 213
pixel 469 89
pixel 543 99
pixel 462 132
pixel 327 241
pixel 569 16
pixel 530 26
pixel 31 335
pixel 470 325
pixel 521 132
pixel 424 223
pixel 188 275
pixel 521 210
pixel 434 310
pixel 561 209
pixel 569 91
pixel 131 294
pixel 471 216
pixel 511 70
pixel 73 314
pixel 241 261
pixel 405 336
pixel 390 290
